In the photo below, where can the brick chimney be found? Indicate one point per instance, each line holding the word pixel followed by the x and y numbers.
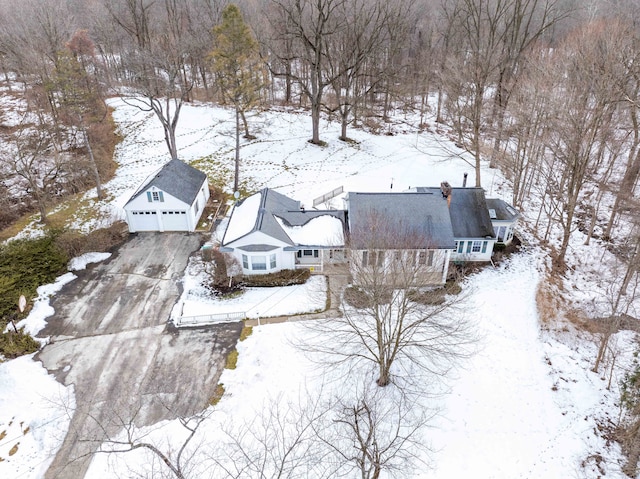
pixel 445 187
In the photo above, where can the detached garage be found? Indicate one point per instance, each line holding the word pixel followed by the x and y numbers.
pixel 173 200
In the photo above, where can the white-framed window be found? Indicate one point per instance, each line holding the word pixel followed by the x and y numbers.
pixel 469 246
pixel 308 253
pixel 422 258
pixel 430 256
pixel 373 258
pixel 460 247
pixel 153 196
pixel 477 246
pixel 484 246
pixel 196 207
pixel 272 261
pixel 259 263
pixel 245 261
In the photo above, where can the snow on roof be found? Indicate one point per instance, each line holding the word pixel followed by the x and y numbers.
pixel 280 217
pixel 243 218
pixel 325 230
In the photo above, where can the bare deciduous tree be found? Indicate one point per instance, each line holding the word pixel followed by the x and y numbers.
pixel 490 37
pixel 376 433
pixel 393 314
pixel 37 159
pixel 311 24
pixel 352 53
pixel 279 442
pixel 154 59
pixel 165 461
pixel 583 105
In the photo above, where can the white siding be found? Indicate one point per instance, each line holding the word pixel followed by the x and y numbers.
pixel 175 220
pixel 168 212
pixel 284 259
pixel 473 249
pixel 430 266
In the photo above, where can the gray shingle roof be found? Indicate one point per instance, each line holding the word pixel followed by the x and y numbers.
pixel 469 212
pixel 177 179
pixel 258 247
pixel 504 211
pixel 399 221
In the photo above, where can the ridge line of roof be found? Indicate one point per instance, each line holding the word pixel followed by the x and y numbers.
pixel 261 209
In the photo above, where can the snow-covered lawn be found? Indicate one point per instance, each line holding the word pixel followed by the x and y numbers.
pixel 196 300
pixel 35 411
pixel 525 406
pixel 507 416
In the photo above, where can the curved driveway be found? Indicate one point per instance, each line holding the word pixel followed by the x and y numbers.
pixel 110 339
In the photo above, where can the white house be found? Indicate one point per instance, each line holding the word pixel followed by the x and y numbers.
pixel 410 229
pixel 268 232
pixel 503 218
pixel 172 200
pixel 469 219
pixel 478 223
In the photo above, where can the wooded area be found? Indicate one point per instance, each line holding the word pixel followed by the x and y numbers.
pixel 547 90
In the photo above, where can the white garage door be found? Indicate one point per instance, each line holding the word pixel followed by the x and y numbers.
pixel 144 221
pixel 175 221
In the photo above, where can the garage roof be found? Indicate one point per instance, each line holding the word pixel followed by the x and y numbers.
pixel 177 179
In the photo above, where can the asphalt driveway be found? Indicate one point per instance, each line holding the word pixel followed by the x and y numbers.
pixel 110 339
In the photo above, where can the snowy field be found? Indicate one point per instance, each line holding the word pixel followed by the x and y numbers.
pixel 524 406
pixel 35 410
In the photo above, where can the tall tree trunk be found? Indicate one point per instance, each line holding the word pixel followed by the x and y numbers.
pixel 287 82
pixel 626 187
pixel 245 125
pixel 316 99
pixel 236 182
pixel 344 117
pixel 94 166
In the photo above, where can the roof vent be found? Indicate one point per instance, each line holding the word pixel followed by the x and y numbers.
pixel 492 214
